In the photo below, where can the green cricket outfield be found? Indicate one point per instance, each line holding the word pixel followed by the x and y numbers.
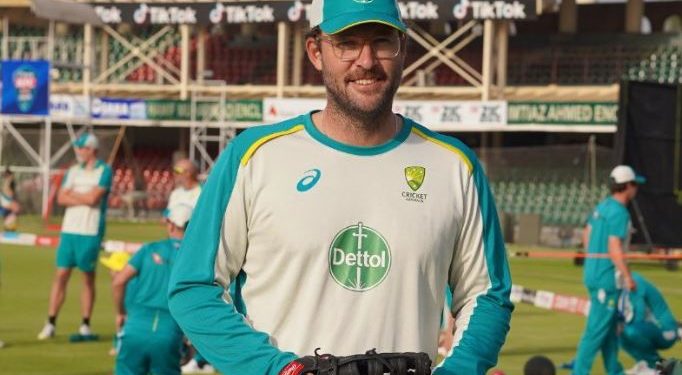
pixel 27 272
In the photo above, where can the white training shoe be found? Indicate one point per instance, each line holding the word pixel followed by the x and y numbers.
pixel 640 368
pixel 84 330
pixel 192 367
pixel 47 332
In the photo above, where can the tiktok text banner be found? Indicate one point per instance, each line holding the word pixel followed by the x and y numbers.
pixel 158 13
pixel 436 115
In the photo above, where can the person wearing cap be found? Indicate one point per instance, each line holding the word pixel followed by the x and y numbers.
pixel 648 325
pixel 187 191
pixel 607 232
pixel 150 341
pixel 84 193
pixel 338 229
pixel 187 187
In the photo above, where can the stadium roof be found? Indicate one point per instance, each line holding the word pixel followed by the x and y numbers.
pixel 15 3
pixel 57 10
pixel 65 11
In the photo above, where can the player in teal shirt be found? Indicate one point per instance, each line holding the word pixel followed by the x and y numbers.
pixel 649 323
pixel 150 340
pixel 606 273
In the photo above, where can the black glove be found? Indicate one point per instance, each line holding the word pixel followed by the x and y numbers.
pixel 669 367
pixel 370 363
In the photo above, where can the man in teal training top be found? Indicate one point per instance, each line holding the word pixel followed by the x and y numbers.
pixel 606 274
pixel 149 340
pixel 338 229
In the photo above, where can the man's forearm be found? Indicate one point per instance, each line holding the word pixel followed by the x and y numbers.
pixel 618 259
pixel 118 291
pixel 68 199
pixel 72 198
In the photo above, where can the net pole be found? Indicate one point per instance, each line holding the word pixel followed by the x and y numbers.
pixel 2 135
pixel 592 152
pixel 46 166
pixel 645 229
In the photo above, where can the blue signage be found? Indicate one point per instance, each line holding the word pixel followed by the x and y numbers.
pixel 25 87
pixel 118 108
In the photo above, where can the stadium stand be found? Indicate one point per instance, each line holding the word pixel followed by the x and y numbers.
pixel 664 66
pixel 149 174
pixel 559 203
pixel 591 59
pixel 539 57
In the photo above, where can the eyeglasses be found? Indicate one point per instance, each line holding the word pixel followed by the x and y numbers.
pixel 178 170
pixel 349 48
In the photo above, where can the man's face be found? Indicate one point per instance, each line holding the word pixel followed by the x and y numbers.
pixel 85 154
pixel 632 190
pixel 182 174
pixel 361 86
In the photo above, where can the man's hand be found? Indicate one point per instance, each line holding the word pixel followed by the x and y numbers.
pixel 630 283
pixel 120 320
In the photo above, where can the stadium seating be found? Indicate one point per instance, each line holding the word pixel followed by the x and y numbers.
pixel 241 60
pixel 584 59
pixel 592 58
pixel 558 202
pixel 154 179
pixel 663 66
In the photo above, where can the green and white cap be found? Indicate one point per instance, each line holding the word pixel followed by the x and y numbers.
pixel 86 140
pixel 624 173
pixel 333 16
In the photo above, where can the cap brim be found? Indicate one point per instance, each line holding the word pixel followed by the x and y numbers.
pixel 80 144
pixel 343 22
pixel 640 179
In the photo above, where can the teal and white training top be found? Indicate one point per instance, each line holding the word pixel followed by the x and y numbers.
pixel 153 263
pixel 343 248
pixel 648 305
pixel 609 219
pixel 83 219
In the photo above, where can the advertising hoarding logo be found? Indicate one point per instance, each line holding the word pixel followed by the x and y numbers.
pixel 359 258
pixel 25 89
pixel 26 83
pixel 165 15
pixel 242 14
pixel 496 10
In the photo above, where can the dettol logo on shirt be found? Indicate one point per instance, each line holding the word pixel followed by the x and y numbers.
pixel 359 258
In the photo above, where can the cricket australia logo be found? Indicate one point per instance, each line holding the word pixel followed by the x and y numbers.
pixel 414 175
pixel 359 258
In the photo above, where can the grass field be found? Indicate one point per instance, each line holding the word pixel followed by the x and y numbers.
pixel 27 273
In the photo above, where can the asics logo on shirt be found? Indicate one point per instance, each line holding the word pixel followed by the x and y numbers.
pixel 308 180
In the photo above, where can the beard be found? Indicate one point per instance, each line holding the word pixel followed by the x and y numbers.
pixel 339 97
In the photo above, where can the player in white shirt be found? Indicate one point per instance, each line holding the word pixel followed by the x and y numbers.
pixel 84 193
pixel 187 184
pixel 339 228
pixel 187 193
